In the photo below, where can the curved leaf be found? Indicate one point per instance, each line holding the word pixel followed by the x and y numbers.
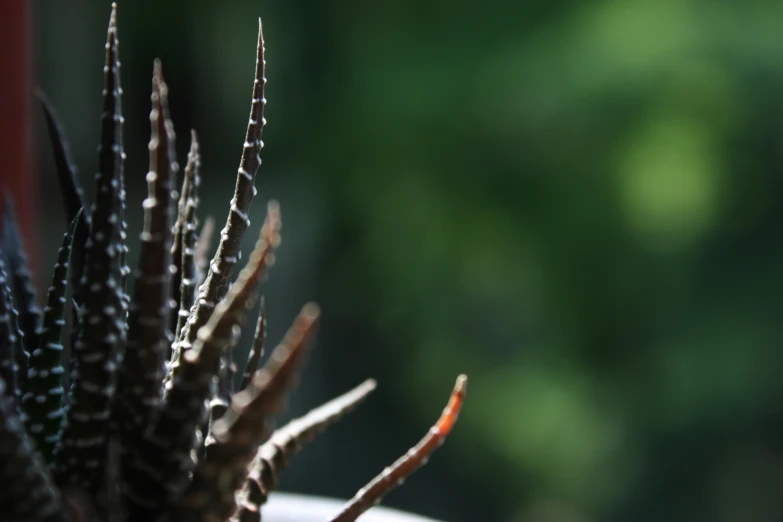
pixel 246 425
pixel 183 280
pixel 273 456
pixel 218 277
pixel 43 399
pixel 393 476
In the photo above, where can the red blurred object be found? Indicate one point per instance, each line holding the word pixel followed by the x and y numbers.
pixel 16 166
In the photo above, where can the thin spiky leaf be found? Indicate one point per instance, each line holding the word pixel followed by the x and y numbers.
pixel 77 325
pixel 246 425
pixel 21 356
pixel 43 400
pixel 218 277
pixel 225 389
pixel 78 315
pixel 187 290
pixel 203 244
pixel 78 256
pixel 394 475
pixel 142 370
pixel 26 490
pixel 7 362
pixel 183 274
pixel 272 457
pixel 199 258
pixel 257 349
pixel 159 473
pixel 119 154
pixel 98 350
pixel 9 340
pixel 122 196
pixel 70 191
pixel 221 398
pixel 21 283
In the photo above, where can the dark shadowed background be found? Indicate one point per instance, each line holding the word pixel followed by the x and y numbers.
pixel 576 203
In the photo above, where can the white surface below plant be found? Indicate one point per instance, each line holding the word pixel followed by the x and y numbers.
pixel 288 507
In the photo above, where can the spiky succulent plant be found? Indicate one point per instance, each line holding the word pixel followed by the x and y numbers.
pixel 153 420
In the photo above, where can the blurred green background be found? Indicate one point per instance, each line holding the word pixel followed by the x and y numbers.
pixel 576 203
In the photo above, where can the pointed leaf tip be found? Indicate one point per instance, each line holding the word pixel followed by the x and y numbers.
pixel 257 348
pixel 113 18
pixel 392 476
pixel 244 426
pixel 274 455
pixel 218 277
pixel 311 311
pixel 449 416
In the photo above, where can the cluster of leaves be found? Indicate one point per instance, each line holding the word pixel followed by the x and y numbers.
pixel 154 425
